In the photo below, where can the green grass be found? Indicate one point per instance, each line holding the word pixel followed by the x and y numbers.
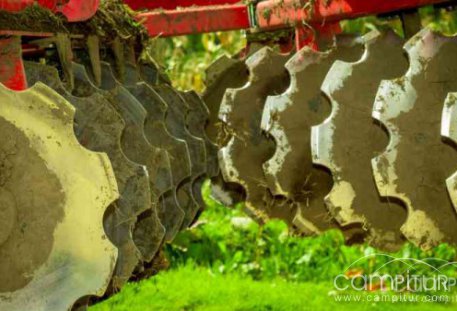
pixel 196 288
pixel 226 240
pixel 227 262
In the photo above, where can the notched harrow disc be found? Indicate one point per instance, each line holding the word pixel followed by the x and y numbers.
pixel 449 131
pixel 241 111
pixel 196 119
pixel 51 190
pixel 223 74
pixel 149 232
pixel 418 161
pixel 150 72
pixel 288 118
pixel 158 134
pixel 99 127
pixel 176 124
pixel 134 116
pixel 347 141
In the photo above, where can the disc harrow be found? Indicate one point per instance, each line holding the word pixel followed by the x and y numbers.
pixel 149 230
pixel 449 131
pixel 288 118
pixel 417 161
pixel 223 74
pixel 99 127
pixel 176 123
pixel 157 131
pixel 102 161
pixel 341 130
pixel 242 157
pixel 197 116
pixel 347 141
pixel 40 195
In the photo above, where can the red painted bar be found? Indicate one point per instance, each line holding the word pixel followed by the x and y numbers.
pixel 173 4
pixel 79 10
pixel 283 13
pixel 12 73
pixel 73 10
pixel 18 5
pixel 196 20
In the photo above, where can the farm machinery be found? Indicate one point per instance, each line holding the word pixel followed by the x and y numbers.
pixel 102 160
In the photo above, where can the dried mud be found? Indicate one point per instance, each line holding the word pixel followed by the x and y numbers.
pixel 37 210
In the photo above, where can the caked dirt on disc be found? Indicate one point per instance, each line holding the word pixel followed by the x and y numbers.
pixel 34 205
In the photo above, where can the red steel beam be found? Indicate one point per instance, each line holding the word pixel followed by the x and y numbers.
pixel 73 10
pixel 173 4
pixel 18 5
pixel 282 13
pixel 12 73
pixel 79 10
pixel 196 20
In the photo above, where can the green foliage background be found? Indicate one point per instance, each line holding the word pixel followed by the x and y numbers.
pixel 186 58
pixel 227 241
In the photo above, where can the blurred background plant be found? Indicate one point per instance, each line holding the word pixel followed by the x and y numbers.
pixel 186 58
pixel 227 241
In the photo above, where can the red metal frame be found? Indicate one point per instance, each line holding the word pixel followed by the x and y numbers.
pixel 12 73
pixel 79 10
pixel 268 15
pixel 173 4
pixel 196 20
pixel 282 13
pixel 182 17
pixel 18 5
pixel 73 10
pixel 308 35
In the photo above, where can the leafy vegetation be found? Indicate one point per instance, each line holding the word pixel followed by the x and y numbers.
pixel 228 262
pixel 195 288
pixel 186 58
pixel 227 241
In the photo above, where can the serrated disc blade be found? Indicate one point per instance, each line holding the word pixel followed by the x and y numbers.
pixel 156 131
pixel 226 194
pixel 176 125
pixel 241 111
pixel 150 72
pixel 49 202
pixel 137 148
pixel 186 190
pixel 288 119
pixel 449 130
pixel 84 87
pixel 197 151
pixel 158 135
pixel 417 162
pixel 221 75
pixel 347 141
pixel 196 120
pixel 98 127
